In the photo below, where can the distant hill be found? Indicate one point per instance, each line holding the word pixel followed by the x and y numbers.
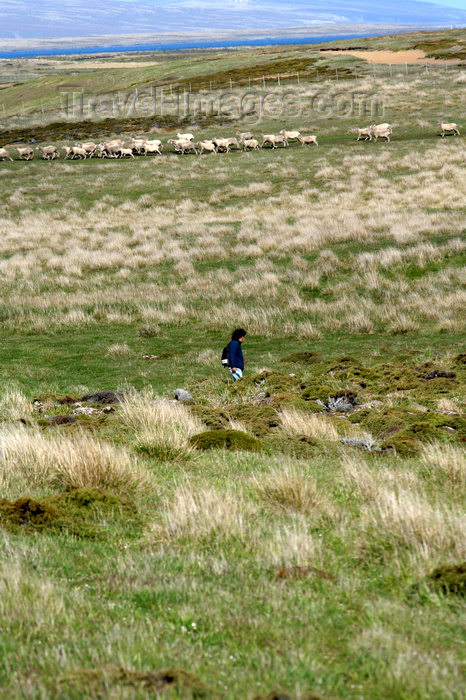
pixel 69 18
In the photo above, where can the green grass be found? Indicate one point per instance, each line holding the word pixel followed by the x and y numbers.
pixel 310 566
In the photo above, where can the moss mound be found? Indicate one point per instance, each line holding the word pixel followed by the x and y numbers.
pixel 268 382
pixel 97 681
pixel 305 357
pixel 214 418
pixel 76 512
pixel 28 514
pixel 227 440
pixel 282 695
pixel 407 431
pixel 299 446
pixel 449 579
pixel 315 391
pixel 260 420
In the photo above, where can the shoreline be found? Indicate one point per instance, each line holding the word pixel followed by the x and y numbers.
pixel 24 48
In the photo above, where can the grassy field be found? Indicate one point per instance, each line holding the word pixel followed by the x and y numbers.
pixel 251 543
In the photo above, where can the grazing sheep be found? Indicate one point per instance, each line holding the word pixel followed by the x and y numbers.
pixel 67 150
pixel 208 146
pixel 4 154
pixel 311 139
pixel 273 140
pixel 185 137
pixel 243 135
pixel 449 127
pixel 290 135
pixel 366 133
pixel 48 152
pixel 250 144
pixel 26 153
pixel 381 130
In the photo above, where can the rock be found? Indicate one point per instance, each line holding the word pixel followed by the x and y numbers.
pixel 343 403
pixel 183 395
pixel 85 411
pixel 149 357
pixel 367 443
pixel 104 397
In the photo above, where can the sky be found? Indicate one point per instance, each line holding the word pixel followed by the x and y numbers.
pixel 460 4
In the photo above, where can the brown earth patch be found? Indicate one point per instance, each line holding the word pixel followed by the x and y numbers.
pixel 412 56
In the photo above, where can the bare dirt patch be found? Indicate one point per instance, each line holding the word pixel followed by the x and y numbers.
pixel 394 57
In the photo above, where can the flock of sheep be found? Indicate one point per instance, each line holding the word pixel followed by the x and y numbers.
pixel 184 143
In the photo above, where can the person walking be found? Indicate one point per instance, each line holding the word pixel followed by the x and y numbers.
pixel 235 354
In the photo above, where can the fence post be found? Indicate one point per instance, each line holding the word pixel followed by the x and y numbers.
pixel 278 79
pixel 210 83
pixel 231 85
pixel 374 70
pixel 249 82
pixel 317 74
pixel 171 90
pixel 427 70
pixel 297 75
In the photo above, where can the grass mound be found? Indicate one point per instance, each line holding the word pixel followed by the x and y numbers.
pixel 97 681
pixel 305 357
pixel 449 579
pixel 77 512
pixel 226 440
pixel 281 695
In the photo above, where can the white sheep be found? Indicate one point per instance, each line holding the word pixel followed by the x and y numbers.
pixel 290 135
pixel 126 152
pixel 244 135
pixel 273 140
pixel 311 139
pixel 4 154
pixel 185 137
pixel 252 144
pixel 208 146
pixel 449 127
pixel 222 143
pixel 381 130
pixel 365 132
pixel 152 147
pixel 48 152
pixel 26 153
pixel 182 146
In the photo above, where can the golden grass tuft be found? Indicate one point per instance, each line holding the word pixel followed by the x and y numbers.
pixel 449 459
pixel 161 428
pixel 296 422
pixel 30 459
pixel 290 488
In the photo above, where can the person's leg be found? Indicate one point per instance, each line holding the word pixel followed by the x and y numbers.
pixel 237 374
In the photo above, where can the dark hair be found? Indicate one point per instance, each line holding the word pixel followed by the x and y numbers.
pixel 238 333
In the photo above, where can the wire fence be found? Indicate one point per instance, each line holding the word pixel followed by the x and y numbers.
pixel 75 96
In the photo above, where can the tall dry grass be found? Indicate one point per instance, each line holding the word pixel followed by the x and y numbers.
pixel 31 459
pixel 161 428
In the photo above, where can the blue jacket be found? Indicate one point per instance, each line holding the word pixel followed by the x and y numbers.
pixel 235 354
